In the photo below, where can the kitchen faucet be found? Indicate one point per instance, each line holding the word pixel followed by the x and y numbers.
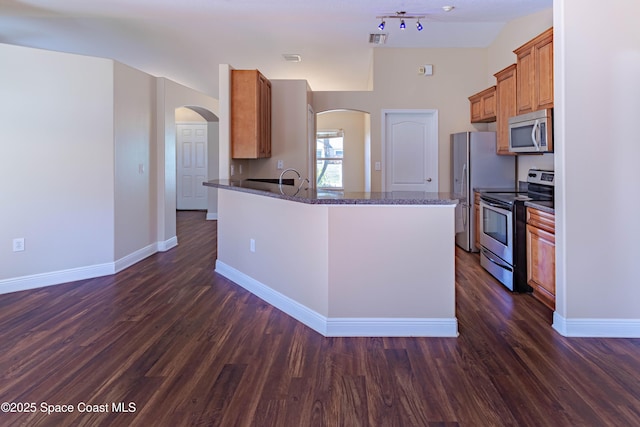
pixel 302 180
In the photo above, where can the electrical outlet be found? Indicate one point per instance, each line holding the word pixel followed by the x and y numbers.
pixel 252 245
pixel 18 244
pixel 280 164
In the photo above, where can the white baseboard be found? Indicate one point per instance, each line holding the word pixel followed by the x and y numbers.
pixel 300 312
pixel 341 327
pixel 135 257
pixel 212 216
pixel 392 327
pixel 42 280
pixel 597 328
pixel 55 278
pixel 168 244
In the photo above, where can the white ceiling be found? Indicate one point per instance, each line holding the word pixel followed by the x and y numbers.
pixel 185 40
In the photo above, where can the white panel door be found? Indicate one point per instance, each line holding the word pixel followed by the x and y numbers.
pixel 411 151
pixel 191 166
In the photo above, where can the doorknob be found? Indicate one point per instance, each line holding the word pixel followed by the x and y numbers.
pixel 428 179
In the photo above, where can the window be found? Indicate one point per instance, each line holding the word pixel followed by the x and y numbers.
pixel 329 157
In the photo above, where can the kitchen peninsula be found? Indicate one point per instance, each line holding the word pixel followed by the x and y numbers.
pixel 344 264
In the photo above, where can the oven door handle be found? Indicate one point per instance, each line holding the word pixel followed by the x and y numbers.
pixel 496 262
pixel 493 205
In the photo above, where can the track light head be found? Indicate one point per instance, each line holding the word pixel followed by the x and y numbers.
pixel 419 26
pixel 402 24
pixel 381 26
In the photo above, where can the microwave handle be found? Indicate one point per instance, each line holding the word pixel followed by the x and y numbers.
pixel 535 133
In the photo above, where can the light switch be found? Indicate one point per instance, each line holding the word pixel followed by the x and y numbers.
pixel 378 166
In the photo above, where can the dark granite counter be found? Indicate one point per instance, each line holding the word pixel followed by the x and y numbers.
pixel 331 197
pixel 542 205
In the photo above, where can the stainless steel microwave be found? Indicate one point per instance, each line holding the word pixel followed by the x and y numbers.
pixel 531 132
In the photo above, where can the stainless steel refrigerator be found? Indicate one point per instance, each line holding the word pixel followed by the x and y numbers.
pixel 475 164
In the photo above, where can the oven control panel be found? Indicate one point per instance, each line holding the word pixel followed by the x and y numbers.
pixel 538 176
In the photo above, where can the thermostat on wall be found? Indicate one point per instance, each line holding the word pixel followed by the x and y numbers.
pixel 425 70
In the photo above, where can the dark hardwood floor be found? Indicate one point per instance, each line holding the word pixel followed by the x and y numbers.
pixel 185 346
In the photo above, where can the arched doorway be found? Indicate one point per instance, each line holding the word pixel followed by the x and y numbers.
pixel 197 155
pixel 355 129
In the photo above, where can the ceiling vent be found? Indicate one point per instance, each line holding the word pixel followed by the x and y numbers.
pixel 292 57
pixel 378 38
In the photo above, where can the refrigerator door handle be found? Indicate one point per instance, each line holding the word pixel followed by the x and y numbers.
pixel 465 183
pixel 465 213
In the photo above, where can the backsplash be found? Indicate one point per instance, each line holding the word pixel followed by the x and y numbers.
pixel 534 161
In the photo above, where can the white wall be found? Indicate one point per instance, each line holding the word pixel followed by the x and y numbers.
pixel 135 167
pixel 291 246
pixel 458 73
pixel 87 174
pixel 57 163
pixel 597 103
pixel 288 133
pixel 184 114
pixel 514 34
pixel 353 123
pixel 170 96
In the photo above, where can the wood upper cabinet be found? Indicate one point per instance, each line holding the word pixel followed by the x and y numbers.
pixel 506 86
pixel 535 73
pixel 483 106
pixel 250 115
pixel 541 256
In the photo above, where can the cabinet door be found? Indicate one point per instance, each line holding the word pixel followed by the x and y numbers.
pixel 265 118
pixel 525 82
pixel 541 265
pixel 544 73
pixel 250 115
pixel 535 73
pixel 505 106
pixel 489 105
pixel 475 106
pixel 483 106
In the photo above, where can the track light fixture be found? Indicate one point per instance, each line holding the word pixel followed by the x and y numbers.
pixel 401 16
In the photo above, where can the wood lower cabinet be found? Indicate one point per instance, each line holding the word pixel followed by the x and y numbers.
pixel 476 210
pixel 541 256
pixel 250 115
pixel 506 86
pixel 535 73
pixel 483 106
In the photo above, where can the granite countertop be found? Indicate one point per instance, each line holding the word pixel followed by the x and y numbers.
pixel 334 197
pixel 545 206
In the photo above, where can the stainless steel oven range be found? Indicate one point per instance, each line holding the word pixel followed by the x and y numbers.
pixel 503 229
